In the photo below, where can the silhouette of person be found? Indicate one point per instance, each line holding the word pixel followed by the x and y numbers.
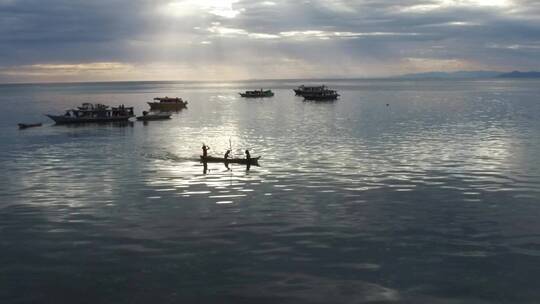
pixel 226 156
pixel 205 149
pixel 248 156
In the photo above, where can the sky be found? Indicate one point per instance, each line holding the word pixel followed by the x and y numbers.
pixel 116 40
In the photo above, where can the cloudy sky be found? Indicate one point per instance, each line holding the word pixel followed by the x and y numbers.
pixel 100 40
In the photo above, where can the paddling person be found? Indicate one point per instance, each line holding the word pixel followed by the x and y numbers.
pixel 248 156
pixel 226 156
pixel 205 149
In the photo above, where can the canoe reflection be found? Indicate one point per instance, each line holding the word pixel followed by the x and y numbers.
pixel 227 166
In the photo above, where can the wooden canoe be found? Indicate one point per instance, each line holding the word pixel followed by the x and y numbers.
pixel 211 159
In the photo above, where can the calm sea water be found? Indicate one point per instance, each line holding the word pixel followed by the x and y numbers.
pixel 433 198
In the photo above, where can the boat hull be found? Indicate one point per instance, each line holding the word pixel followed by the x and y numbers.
pixel 167 106
pixel 154 117
pixel 321 98
pixel 62 119
pixel 245 161
pixel 263 95
pixel 26 126
pixel 250 96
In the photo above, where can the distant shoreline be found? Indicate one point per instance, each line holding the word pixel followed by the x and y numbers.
pixel 430 76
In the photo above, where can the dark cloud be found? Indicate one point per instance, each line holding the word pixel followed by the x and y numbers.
pixel 316 37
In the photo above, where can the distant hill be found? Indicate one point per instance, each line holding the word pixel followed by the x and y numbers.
pixel 518 74
pixel 452 75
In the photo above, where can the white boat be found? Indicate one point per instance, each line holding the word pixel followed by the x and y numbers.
pixel 154 116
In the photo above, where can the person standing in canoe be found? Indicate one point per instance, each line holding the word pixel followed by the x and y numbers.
pixel 248 156
pixel 205 149
pixel 226 156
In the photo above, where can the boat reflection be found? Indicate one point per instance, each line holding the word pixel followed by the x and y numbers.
pixel 116 124
pixel 227 166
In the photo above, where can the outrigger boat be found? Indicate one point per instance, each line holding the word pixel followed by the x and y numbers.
pixel 245 161
pixel 93 113
pixel 154 116
pixel 257 93
pixel 26 126
pixel 168 104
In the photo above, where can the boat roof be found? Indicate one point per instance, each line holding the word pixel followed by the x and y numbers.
pixel 258 91
pixel 167 98
pixel 88 107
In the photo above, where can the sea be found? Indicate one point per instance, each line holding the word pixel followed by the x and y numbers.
pixel 424 191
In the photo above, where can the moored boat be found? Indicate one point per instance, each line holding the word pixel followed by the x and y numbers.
pixel 302 90
pixel 211 159
pixel 257 93
pixel 26 126
pixel 167 104
pixel 322 95
pixel 154 116
pixel 94 113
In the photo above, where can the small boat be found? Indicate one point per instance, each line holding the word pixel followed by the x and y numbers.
pixel 26 126
pixel 322 95
pixel 154 116
pixel 302 90
pixel 257 93
pixel 167 104
pixel 94 113
pixel 211 159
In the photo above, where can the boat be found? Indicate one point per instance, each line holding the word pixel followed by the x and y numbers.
pixel 257 93
pixel 154 116
pixel 26 126
pixel 167 104
pixel 211 159
pixel 94 113
pixel 302 90
pixel 322 95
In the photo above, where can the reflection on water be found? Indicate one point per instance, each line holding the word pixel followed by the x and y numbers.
pixel 396 192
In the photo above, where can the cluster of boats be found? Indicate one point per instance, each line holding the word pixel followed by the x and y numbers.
pixel 317 93
pixel 160 109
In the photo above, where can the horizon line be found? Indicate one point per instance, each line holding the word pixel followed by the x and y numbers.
pixel 393 77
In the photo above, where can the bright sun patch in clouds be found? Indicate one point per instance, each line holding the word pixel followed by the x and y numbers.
pixel 324 35
pixel 221 31
pixel 221 8
pixel 441 4
pixel 74 71
pixel 437 64
pixel 233 39
pixel 95 66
